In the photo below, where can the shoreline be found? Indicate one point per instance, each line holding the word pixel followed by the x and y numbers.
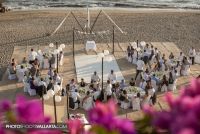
pixel 115 9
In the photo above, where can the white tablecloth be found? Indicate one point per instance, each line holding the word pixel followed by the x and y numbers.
pixel 90 45
pixel 197 59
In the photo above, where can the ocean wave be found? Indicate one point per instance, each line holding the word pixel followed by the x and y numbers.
pixel 39 4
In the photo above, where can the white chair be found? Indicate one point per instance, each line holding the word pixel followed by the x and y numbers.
pixel 197 59
pixel 173 86
pixel 46 64
pixel 11 76
pixel 136 103
pixel 164 88
pixel 125 105
pixel 88 104
pixel 26 86
pixel 20 76
pixel 32 92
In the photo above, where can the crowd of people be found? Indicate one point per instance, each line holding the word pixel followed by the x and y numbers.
pixel 29 71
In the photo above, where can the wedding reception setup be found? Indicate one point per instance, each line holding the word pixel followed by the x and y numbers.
pixel 101 67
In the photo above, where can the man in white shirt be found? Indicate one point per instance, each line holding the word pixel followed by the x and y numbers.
pixel 95 77
pixel 140 67
pixel 32 56
pixel 143 84
pixel 180 58
pixel 112 77
pixel 192 54
pixel 76 96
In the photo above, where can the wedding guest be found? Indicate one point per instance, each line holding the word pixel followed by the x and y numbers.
pixel 164 84
pixel 56 77
pixel 171 56
pixel 136 102
pixel 180 59
pixel 24 61
pixel 12 68
pixel 146 75
pixel 122 84
pixel 82 83
pixel 132 82
pixel 140 67
pixel 108 90
pixel 95 77
pixel 146 99
pixel 13 61
pixel 192 54
pixel 32 56
pixel 52 61
pixel 143 84
pixel 61 56
pixel 33 70
pixel 76 96
pixel 50 72
pixel 112 77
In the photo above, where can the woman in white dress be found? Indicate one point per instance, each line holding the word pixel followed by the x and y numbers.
pixel 146 99
pixel 136 102
pixel 87 101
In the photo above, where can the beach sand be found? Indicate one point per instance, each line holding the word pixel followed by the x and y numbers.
pixel 33 27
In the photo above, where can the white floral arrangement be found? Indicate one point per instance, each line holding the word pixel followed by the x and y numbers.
pixel 82 90
pixel 133 89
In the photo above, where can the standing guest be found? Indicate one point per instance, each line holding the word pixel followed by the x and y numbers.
pixel 33 70
pixel 52 61
pixel 145 57
pixel 129 52
pixel 108 90
pixel 164 84
pixel 72 84
pixel 140 67
pixel 82 83
pixel 76 96
pixel 37 63
pixel 146 99
pixel 152 53
pixel 132 82
pixel 180 59
pixel 61 56
pixel 95 77
pixel 112 77
pixel 192 54
pixel 146 75
pixel 56 77
pixel 50 85
pixel 87 102
pixel 32 56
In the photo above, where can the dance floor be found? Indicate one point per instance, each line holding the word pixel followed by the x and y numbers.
pixel 87 64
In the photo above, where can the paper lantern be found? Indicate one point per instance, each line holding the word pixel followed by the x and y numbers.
pixel 51 45
pixel 56 51
pixel 134 45
pixel 46 97
pixel 50 93
pixel 58 98
pixel 143 44
pixel 62 46
pixel 56 88
pixel 106 52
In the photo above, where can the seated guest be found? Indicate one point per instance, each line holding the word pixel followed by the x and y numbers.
pixel 76 96
pixel 136 102
pixel 13 61
pixel 156 79
pixel 72 84
pixel 95 77
pixel 125 104
pixel 12 68
pixel 145 57
pixel 21 71
pixel 185 66
pixel 32 56
pixel 112 77
pixel 87 102
pixel 146 75
pixel 171 56
pixel 122 84
pixel 82 83
pixel 56 77
pixel 108 91
pixel 33 70
pixel 150 89
pixel 42 86
pixel 172 82
pixel 24 61
pixel 97 93
pixel 50 85
pixel 50 72
pixel 143 84
pixel 164 84
pixel 132 82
